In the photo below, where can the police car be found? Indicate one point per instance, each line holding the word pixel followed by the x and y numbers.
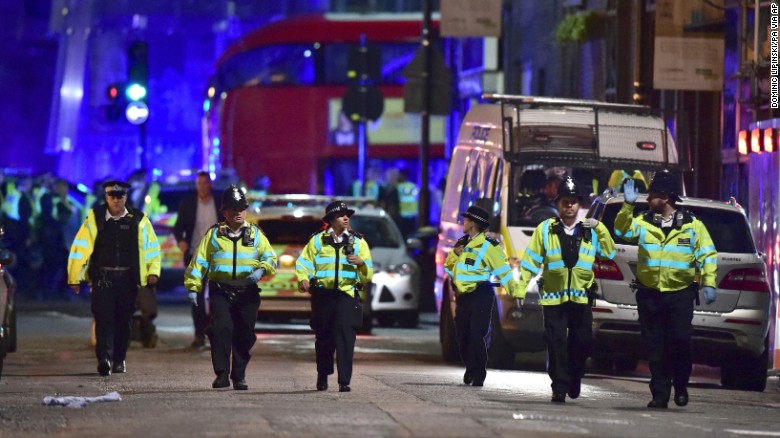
pixel 731 333
pixel 290 220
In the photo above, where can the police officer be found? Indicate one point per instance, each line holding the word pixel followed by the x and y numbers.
pixel 232 257
pixel 672 242
pixel 117 251
pixel 470 264
pixel 566 248
pixel 335 263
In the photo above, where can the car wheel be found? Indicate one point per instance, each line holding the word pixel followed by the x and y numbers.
pixel 626 364
pixel 384 320
pixel 409 318
pixel 449 343
pixel 747 373
pixel 12 329
pixel 501 355
pixel 602 359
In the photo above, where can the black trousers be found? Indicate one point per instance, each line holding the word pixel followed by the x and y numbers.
pixel 113 298
pixel 472 329
pixel 232 330
pixel 199 318
pixel 666 322
pixel 333 333
pixel 568 333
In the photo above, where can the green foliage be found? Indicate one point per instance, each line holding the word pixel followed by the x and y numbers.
pixel 578 27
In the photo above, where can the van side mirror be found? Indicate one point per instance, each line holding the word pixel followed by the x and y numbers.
pixel 414 243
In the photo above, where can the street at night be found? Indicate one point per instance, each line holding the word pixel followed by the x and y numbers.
pixel 401 387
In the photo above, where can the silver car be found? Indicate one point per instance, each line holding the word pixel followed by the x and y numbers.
pixel 395 289
pixel 731 333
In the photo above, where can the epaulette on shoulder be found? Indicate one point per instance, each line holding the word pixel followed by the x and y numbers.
pixel 259 229
pixel 493 241
pixel 315 233
pixel 355 233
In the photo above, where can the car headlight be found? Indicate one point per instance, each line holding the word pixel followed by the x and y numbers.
pixel 402 269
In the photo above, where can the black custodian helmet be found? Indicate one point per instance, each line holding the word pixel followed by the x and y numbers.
pixel 233 197
pixel 568 187
pixel 665 183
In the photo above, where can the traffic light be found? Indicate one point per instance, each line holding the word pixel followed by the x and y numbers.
pixel 136 89
pixel 137 72
pixel 115 106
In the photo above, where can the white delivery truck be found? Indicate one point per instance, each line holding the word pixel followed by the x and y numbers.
pixel 509 155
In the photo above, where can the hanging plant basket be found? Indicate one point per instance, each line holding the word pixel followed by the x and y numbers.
pixel 580 27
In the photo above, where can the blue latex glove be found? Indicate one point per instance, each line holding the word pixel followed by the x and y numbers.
pixel 709 294
pixel 256 275
pixel 630 192
pixel 193 297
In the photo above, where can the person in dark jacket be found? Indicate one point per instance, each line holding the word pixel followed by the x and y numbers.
pixel 197 213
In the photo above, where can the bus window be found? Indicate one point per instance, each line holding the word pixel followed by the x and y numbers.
pixel 288 64
pixel 393 58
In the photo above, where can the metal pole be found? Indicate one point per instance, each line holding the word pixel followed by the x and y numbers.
pixel 362 137
pixel 425 143
pixel 142 136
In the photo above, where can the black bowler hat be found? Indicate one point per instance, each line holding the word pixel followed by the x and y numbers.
pixel 478 215
pixel 114 185
pixel 335 208
pixel 665 183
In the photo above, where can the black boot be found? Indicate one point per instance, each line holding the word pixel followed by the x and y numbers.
pixel 322 382
pixel 221 381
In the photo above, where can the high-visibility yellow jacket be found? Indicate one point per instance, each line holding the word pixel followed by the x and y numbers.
pixel 481 257
pixel 222 258
pixel 149 258
pixel 562 284
pixel 668 262
pixel 407 199
pixel 320 261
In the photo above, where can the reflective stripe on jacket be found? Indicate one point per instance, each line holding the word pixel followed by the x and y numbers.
pixel 668 262
pixel 222 258
pixel 322 262
pixel 480 259
pixel 149 256
pixel 560 283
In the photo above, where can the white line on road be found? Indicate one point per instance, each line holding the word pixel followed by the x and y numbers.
pixel 752 432
pixel 556 418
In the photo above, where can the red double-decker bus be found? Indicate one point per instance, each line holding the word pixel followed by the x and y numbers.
pixel 274 103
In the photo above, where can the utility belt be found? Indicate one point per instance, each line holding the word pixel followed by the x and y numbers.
pixel 102 275
pixel 693 287
pixel 232 293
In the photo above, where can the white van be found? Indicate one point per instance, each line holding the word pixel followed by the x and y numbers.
pixel 508 150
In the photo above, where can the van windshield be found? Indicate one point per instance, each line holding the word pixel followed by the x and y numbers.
pixel 534 187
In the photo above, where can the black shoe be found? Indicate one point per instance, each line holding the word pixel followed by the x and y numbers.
pixel 467 379
pixel 478 383
pixel 104 367
pixel 558 397
pixel 574 388
pixel 119 368
pixel 240 385
pixel 681 398
pixel 221 381
pixel 657 404
pixel 322 382
pixel 344 388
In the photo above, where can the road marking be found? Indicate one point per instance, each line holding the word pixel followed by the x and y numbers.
pixel 537 417
pixel 752 432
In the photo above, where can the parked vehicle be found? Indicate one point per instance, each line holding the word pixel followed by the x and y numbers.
pixel 7 304
pixel 290 220
pixel 506 152
pixel 732 333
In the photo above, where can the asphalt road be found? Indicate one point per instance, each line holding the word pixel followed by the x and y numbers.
pixel 400 388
